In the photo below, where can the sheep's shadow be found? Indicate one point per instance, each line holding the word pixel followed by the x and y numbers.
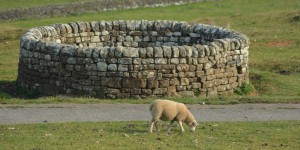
pixel 131 128
pixel 143 127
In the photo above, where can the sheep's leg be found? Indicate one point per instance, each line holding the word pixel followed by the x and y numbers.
pixel 181 127
pixel 151 126
pixel 156 126
pixel 170 125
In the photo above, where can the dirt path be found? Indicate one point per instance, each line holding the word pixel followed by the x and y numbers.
pixel 17 114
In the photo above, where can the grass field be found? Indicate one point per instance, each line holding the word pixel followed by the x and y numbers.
pixel 133 135
pixel 272 26
pixel 9 4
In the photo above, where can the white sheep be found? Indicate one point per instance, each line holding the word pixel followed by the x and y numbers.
pixel 167 110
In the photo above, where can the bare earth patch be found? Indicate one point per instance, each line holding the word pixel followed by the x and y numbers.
pixel 279 44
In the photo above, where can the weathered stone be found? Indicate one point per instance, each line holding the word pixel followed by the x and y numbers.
pixel 158 52
pixel 164 83
pixel 149 52
pixel 160 91
pixel 160 61
pixel 112 67
pixel 125 61
pixel 134 83
pixel 167 51
pixel 135 91
pixel 101 66
pixel 112 82
pixel 184 81
pixel 104 52
pixel 90 67
pixel 122 59
pixel 122 67
pixel 142 52
pixel 71 60
pixel 131 52
pixel 146 92
pixel 187 94
pixel 152 84
pixel 232 79
pixel 180 88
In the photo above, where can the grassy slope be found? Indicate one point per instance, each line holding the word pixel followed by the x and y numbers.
pixel 272 28
pixel 13 4
pixel 133 135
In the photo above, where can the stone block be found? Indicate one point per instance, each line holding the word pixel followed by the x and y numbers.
pixel 146 92
pixel 111 82
pixel 167 51
pixel 221 88
pixel 160 61
pixel 160 91
pixel 91 67
pixel 164 83
pixel 135 91
pixel 174 81
pixel 125 61
pixel 208 84
pixel 134 83
pixel 184 81
pixel 232 79
pixel 122 68
pixel 101 66
pixel 174 61
pixel 182 52
pixel 171 91
pixel 190 74
pixel 104 52
pixel 71 60
pixel 152 84
pixel 95 39
pixel 150 52
pixel 180 88
pixel 212 92
pixel 210 77
pixel 112 67
pixel 187 94
pixel 196 85
pixel 158 52
pixel 142 52
pixel 131 52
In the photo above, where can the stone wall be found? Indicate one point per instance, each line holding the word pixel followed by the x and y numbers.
pixel 123 59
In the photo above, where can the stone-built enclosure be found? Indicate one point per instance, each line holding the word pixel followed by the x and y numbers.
pixel 133 59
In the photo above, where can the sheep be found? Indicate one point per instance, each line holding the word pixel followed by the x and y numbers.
pixel 167 110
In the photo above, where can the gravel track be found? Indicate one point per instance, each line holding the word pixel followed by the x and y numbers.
pixel 41 113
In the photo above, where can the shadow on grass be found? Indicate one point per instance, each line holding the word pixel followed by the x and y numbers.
pixel 11 89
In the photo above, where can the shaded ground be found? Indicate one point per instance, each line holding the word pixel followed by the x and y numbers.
pixel 9 88
pixel 41 113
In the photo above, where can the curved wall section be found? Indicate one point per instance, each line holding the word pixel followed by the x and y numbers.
pixel 139 58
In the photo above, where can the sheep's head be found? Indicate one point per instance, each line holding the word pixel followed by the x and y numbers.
pixel 193 125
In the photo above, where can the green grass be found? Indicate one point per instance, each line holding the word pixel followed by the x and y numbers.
pixel 13 4
pixel 225 100
pixel 272 26
pixel 134 135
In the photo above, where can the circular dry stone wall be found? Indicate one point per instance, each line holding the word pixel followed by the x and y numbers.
pixel 133 59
